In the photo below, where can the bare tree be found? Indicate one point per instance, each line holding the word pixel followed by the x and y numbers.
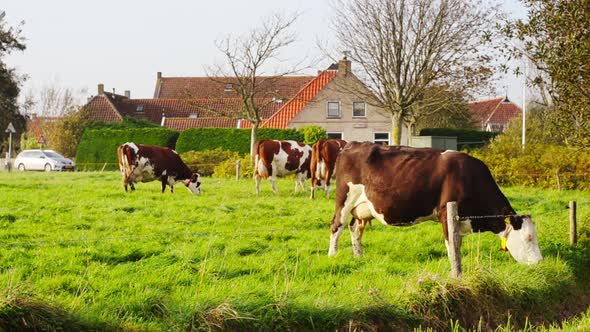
pixel 53 100
pixel 405 46
pixel 247 57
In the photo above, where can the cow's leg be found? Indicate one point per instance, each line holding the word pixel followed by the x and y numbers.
pixel 327 182
pixel 343 210
pixel 125 183
pixel 442 218
pixel 273 183
pixel 300 181
pixel 357 227
pixel 132 186
pixel 164 180
pixel 257 181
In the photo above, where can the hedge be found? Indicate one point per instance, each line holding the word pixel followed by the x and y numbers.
pixel 465 137
pixel 98 147
pixel 238 140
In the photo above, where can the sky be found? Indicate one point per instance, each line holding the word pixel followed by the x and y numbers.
pixel 123 44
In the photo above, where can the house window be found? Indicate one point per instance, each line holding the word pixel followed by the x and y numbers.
pixel 381 138
pixel 334 135
pixel 139 109
pixel 228 87
pixel 193 116
pixel 359 109
pixel 333 109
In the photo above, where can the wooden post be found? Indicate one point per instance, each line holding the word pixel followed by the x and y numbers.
pixel 238 166
pixel 573 224
pixel 454 249
pixel 558 180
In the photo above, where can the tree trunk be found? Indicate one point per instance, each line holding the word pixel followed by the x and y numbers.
pixel 253 135
pixel 396 128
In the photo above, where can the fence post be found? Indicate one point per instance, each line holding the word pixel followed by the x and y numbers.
pixel 238 166
pixel 573 224
pixel 454 249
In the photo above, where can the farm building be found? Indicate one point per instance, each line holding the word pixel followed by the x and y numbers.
pixel 335 99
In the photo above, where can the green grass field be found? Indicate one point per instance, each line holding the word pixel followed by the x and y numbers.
pixel 78 253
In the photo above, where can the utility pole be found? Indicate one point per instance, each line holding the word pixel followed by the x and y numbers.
pixel 524 107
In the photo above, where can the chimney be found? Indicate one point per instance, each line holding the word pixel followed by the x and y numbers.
pixel 100 89
pixel 344 66
pixel 128 93
pixel 159 75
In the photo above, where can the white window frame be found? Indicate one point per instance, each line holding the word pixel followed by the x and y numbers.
pixel 382 140
pixel 328 109
pixel 335 132
pixel 365 110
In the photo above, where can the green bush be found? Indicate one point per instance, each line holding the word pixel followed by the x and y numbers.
pixel 540 165
pixel 98 147
pixel 238 140
pixel 227 169
pixel 204 162
pixel 466 138
pixel 312 134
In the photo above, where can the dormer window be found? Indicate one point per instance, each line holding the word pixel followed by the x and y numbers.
pixel 139 109
pixel 228 87
pixel 193 116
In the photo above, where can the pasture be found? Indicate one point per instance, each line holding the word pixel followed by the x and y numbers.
pixel 78 253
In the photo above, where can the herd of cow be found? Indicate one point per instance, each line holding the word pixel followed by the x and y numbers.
pixel 396 185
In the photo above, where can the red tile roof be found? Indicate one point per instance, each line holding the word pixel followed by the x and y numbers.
pixel 39 125
pixel 282 118
pixel 497 111
pixel 102 109
pixel 206 122
pixel 206 87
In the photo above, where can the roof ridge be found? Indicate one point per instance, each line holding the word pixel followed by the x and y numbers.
pixel 493 112
pixel 295 97
pixel 484 100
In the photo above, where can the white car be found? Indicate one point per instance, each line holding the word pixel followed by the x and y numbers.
pixel 43 160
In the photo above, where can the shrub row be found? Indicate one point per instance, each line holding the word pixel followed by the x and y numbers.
pixel 540 165
pixel 465 137
pixel 238 140
pixel 98 147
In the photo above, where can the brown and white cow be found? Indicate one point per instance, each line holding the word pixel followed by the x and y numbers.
pixel 398 185
pixel 279 158
pixel 323 161
pixel 146 163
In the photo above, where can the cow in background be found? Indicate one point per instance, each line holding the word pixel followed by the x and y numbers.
pixel 146 163
pixel 399 185
pixel 279 158
pixel 323 161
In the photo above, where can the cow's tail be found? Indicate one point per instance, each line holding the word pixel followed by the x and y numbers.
pixel 261 166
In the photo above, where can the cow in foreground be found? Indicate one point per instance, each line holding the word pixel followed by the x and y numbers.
pixel 279 158
pixel 147 163
pixel 399 185
pixel 323 161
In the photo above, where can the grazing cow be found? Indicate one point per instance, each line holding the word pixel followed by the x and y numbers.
pixel 147 163
pixel 279 158
pixel 398 185
pixel 323 160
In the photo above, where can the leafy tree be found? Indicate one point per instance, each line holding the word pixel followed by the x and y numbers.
pixel 556 39
pixel 67 132
pixel 405 47
pixel 10 40
pixel 312 134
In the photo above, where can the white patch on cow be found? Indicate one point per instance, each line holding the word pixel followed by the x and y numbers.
pixel 280 159
pixel 194 187
pixel 144 171
pixel 523 243
pixel 334 241
pixel 320 170
pixel 165 172
pixel 133 146
pixel 359 205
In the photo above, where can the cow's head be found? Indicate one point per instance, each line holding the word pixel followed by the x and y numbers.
pixel 194 183
pixel 522 242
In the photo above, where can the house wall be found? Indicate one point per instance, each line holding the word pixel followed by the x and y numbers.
pixel 341 89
